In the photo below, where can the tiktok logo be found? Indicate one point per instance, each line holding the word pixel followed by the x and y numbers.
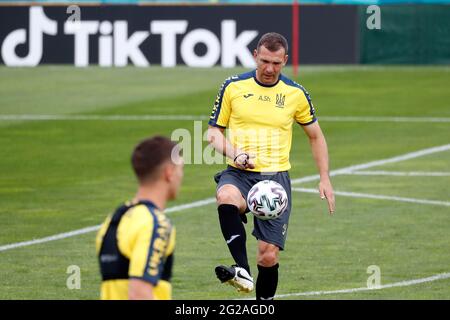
pixel 39 25
pixel 117 46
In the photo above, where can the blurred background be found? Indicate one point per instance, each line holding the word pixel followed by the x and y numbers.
pixel 81 82
pixel 319 31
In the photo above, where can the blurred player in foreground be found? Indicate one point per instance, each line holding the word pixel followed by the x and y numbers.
pixel 135 245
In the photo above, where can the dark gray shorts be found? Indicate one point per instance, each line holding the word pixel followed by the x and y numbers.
pixel 270 231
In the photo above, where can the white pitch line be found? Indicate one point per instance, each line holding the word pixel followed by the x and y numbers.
pixel 95 228
pixel 73 117
pixel 400 173
pixel 405 283
pixel 371 164
pixel 181 117
pixel 49 238
pixel 407 156
pixel 195 204
pixel 383 119
pixel 378 197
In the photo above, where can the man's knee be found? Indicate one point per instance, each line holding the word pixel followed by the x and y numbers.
pixel 267 255
pixel 229 194
pixel 226 197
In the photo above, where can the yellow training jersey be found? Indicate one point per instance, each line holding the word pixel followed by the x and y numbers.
pixel 260 117
pixel 137 241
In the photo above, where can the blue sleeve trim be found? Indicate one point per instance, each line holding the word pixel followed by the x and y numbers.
pixel 218 103
pixel 292 83
pixel 146 279
pixel 308 123
pixel 211 123
pixel 145 276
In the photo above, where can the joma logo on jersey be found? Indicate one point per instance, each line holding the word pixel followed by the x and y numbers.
pixel 280 100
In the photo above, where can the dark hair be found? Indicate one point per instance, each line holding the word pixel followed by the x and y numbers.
pixel 273 42
pixel 148 156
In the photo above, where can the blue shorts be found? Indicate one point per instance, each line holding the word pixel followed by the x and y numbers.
pixel 270 231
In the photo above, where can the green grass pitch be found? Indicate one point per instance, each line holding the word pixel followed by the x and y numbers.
pixel 58 176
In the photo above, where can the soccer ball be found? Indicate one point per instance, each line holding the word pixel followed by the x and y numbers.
pixel 267 200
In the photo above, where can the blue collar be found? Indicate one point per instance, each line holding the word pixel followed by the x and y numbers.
pixel 148 203
pixel 262 84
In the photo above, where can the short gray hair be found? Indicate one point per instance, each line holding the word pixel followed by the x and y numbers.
pixel 273 42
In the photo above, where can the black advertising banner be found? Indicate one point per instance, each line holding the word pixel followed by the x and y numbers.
pixel 196 36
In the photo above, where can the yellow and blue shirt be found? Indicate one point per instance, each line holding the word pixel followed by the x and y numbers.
pixel 260 117
pixel 137 241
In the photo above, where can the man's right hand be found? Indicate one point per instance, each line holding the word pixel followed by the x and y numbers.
pixel 244 161
pixel 220 143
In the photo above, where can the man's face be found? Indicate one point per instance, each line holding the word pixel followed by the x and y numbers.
pixel 269 64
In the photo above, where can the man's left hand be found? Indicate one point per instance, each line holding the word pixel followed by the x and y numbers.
pixel 326 192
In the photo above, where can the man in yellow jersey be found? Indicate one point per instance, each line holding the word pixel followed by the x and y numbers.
pixel 259 109
pixel 135 245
